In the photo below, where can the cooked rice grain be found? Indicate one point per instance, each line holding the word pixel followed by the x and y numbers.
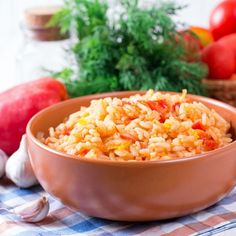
pixel 154 126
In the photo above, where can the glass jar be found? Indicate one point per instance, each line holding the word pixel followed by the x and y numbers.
pixel 43 50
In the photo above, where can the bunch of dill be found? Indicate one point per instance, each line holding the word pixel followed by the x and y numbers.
pixel 139 50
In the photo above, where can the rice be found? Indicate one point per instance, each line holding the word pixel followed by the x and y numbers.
pixel 154 126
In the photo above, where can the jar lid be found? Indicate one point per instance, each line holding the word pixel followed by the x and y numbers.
pixel 36 20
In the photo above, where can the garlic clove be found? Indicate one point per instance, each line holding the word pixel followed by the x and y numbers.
pixel 34 211
pixel 3 161
pixel 18 167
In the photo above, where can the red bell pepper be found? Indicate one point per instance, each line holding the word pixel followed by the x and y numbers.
pixel 208 142
pixel 162 118
pixel 198 125
pixel 177 104
pixel 20 103
pixel 159 105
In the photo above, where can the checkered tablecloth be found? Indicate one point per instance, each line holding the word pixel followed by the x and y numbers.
pixel 63 221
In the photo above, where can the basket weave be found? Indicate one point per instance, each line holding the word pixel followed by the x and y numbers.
pixel 223 90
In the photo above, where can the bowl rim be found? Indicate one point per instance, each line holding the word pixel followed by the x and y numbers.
pixel 131 162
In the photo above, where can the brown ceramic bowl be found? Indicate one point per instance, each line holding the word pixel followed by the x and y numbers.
pixel 131 191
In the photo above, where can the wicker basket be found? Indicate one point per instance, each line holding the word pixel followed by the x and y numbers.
pixel 223 90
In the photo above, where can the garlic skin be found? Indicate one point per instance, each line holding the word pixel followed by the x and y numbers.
pixel 18 167
pixel 34 211
pixel 3 161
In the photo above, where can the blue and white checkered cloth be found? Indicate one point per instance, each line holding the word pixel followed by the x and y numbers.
pixel 63 221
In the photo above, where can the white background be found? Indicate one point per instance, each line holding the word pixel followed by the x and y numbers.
pixel 197 13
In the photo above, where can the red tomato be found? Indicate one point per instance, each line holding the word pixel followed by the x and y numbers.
pixel 223 18
pixel 230 42
pixel 220 60
pixel 192 46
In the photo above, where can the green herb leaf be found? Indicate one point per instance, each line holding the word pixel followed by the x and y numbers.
pixel 141 49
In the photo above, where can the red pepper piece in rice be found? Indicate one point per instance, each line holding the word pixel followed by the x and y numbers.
pixel 210 144
pixel 159 105
pixel 204 135
pixel 67 131
pixel 175 106
pixel 198 125
pixel 162 118
pixel 128 137
pixel 84 151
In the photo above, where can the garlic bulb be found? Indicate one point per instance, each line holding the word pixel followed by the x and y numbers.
pixel 3 160
pixel 18 167
pixel 34 211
